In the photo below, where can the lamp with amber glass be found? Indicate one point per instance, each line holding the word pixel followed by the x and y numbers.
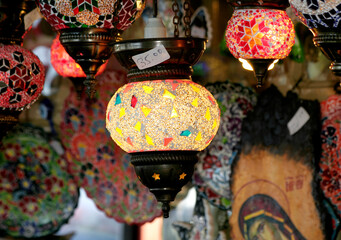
pixel 260 33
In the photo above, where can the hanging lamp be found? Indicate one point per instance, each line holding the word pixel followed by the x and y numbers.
pixel 322 17
pixel 66 66
pixel 88 29
pixel 161 117
pixel 22 75
pixel 259 33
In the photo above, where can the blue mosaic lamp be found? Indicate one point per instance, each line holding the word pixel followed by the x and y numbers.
pixel 323 18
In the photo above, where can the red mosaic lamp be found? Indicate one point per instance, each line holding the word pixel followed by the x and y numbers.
pixel 260 32
pixel 89 28
pixel 22 77
pixel 66 66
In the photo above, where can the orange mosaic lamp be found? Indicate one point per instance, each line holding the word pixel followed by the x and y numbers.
pixel 260 36
pixel 164 115
pixel 66 66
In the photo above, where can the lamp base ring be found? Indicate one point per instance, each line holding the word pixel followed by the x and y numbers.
pixel 164 173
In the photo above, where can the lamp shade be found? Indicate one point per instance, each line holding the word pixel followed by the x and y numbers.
pixel 22 77
pixel 260 34
pixel 163 115
pixel 65 65
pixel 62 14
pixel 319 13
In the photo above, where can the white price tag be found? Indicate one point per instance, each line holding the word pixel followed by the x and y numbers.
pixel 300 118
pixel 30 17
pixel 151 58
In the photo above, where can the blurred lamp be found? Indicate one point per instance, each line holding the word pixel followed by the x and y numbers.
pixel 161 117
pixel 66 66
pixel 322 17
pixel 22 77
pixel 88 29
pixel 259 35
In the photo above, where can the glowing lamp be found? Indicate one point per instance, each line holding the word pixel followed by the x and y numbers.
pixel 88 29
pixel 260 36
pixel 162 118
pixel 66 66
pixel 22 77
pixel 163 124
pixel 165 115
pixel 322 17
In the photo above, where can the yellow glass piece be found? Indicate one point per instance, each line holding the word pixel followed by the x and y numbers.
pixel 182 176
pixel 138 126
pixel 199 137
pixel 195 88
pixel 248 31
pixel 145 110
pixel 148 89
pixel 149 140
pixel 195 102
pixel 255 29
pixel 122 112
pixel 174 113
pixel 208 114
pixel 118 142
pixel 168 94
pixel 119 131
pixel 214 124
pixel 252 43
pixel 156 176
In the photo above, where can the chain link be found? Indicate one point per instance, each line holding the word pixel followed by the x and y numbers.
pixel 187 18
pixel 176 18
pixel 117 8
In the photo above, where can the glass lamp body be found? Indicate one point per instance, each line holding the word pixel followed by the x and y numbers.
pixel 62 14
pixel 260 34
pixel 163 115
pixel 323 19
pixel 22 77
pixel 65 65
pixel 319 13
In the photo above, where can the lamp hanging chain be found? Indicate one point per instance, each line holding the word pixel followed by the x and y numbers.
pixel 176 18
pixel 187 18
pixel 117 7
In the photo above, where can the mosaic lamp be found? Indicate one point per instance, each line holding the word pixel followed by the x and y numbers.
pixel 322 17
pixel 260 32
pixel 162 118
pixel 22 77
pixel 66 66
pixel 89 28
